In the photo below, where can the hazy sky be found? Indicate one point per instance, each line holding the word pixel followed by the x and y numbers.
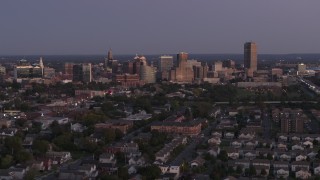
pixel 51 27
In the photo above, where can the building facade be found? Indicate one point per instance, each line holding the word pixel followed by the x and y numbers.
pixel 250 56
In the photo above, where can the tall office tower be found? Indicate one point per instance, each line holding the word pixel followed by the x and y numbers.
pixel 137 62
pixel 147 74
pixel 41 65
pixel 86 73
pixel 110 64
pixel 68 70
pixel 301 68
pixel 165 64
pixel 128 67
pixel 77 73
pixel 250 56
pixel 229 64
pixel 182 57
pixel 217 66
pixel 110 57
pixel 82 73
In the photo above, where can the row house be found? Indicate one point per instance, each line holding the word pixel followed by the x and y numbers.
pixel 190 128
pixel 299 164
pixel 164 154
pixel 281 169
pixel 303 173
pixel 242 163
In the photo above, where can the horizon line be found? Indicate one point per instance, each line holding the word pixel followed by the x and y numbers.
pixel 148 54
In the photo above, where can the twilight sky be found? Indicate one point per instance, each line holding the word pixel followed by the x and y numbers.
pixel 44 27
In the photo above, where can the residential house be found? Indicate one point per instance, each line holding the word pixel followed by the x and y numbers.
pixel 282 146
pixel 264 152
pixel 308 144
pixel 229 135
pixel 282 138
pixel 28 140
pixel 295 165
pixel 135 161
pixel 236 144
pixel 232 153
pixel 217 134
pixel 19 172
pixel 243 163
pixel 297 147
pixel 77 127
pixel 249 154
pixel 246 135
pixel 107 158
pixel 108 168
pixel 303 173
pixel 281 169
pixel 214 151
pixel 198 161
pixel 58 157
pixel 90 170
pixel 6 174
pixel 282 173
pixel 284 156
pixel 295 138
pixel 214 141
pixel 132 170
pixel 316 168
pixel 301 157
pixel 251 144
pixel 261 162
pixel 8 132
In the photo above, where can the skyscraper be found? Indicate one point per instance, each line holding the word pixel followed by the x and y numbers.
pixel 165 64
pixel 82 72
pixel 110 57
pixel 182 57
pixel 250 56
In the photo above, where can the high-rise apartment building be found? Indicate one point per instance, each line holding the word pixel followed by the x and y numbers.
pixel 291 121
pixel 250 56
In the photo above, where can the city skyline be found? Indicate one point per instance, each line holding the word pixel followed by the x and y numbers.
pixel 166 27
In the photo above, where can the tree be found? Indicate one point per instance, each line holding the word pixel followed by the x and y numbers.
pixel 23 156
pixel 252 170
pixel 269 157
pixel 109 135
pixel 40 147
pixel 13 144
pixel 223 156
pixel 123 173
pixel 150 172
pixel 239 170
pixel 65 142
pixel 31 174
pixel 6 162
